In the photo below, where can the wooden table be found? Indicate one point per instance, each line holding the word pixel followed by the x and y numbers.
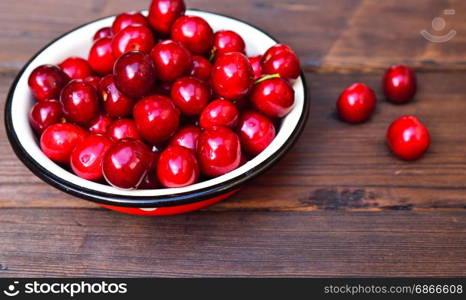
pixel 339 204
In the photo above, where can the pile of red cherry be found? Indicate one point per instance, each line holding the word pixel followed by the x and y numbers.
pixel 161 101
pixel 407 137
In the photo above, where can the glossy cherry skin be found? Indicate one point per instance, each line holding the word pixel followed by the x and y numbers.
pixel 256 132
pixel 232 76
pixel 219 151
pixel 163 13
pixel 128 19
pixel 94 81
pixel 101 56
pixel 399 84
pixel 177 167
pixel 281 59
pixel 157 118
pixel 86 158
pixel 151 180
pixel 100 125
pixel 58 141
pixel 76 68
pixel 201 68
pixel 44 114
pixel 46 82
pixel 134 74
pixel 79 102
pixel 219 113
pixel 123 129
pixel 126 163
pixel 132 38
pixel 356 103
pixel 228 41
pixel 171 59
pixel 274 97
pixel 104 32
pixel 408 138
pixel 194 33
pixel 256 64
pixel 190 95
pixel 187 137
pixel 114 102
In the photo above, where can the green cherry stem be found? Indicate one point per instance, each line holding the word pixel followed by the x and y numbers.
pixel 266 77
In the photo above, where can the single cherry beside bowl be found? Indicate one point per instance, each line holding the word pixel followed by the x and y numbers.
pixel 232 76
pixel 356 103
pixel 399 84
pixel 134 74
pixel 273 97
pixel 194 33
pixel 190 95
pixel 46 82
pixel 126 163
pixel 45 113
pixel 79 102
pixel 408 138
pixel 86 158
pixel 177 167
pixel 218 151
pixel 256 132
pixel 219 113
pixel 156 118
pixel 58 141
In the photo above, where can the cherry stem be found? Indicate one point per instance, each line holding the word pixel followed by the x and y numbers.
pixel 266 77
pixel 212 54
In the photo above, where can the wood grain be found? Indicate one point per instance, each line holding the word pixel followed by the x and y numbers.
pixel 338 204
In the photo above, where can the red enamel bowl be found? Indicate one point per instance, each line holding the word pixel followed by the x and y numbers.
pixel 144 202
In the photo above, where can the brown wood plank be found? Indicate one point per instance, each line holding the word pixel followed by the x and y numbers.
pixel 71 242
pixel 334 165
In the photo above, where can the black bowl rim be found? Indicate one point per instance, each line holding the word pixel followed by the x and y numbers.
pixel 145 201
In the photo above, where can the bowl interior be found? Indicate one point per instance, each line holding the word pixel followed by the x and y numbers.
pixel 78 43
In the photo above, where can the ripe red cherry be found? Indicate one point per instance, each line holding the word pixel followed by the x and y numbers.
pixel 44 114
pixel 46 82
pixel 134 74
pixel 356 103
pixel 94 81
pixel 58 141
pixel 115 103
pixel 123 129
pixel 86 158
pixel 132 38
pixel 408 138
pixel 256 64
pixel 76 68
pixel 190 95
pixel 105 32
pixel 228 41
pixel 256 132
pixel 187 137
pixel 101 56
pixel 151 180
pixel 128 19
pixel 163 13
pixel 157 118
pixel 232 76
pixel 281 59
pixel 273 97
pixel 194 33
pixel 399 84
pixel 177 167
pixel 219 151
pixel 79 102
pixel 171 59
pixel 219 113
pixel 126 163
pixel 201 68
pixel 100 125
